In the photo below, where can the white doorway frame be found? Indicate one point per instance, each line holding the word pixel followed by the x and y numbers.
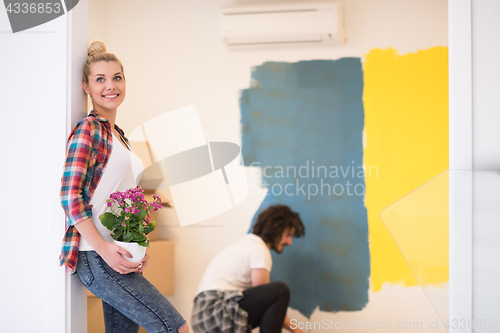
pixel 77 38
pixel 460 149
pixel 461 160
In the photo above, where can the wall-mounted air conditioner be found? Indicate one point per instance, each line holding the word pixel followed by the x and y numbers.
pixel 281 23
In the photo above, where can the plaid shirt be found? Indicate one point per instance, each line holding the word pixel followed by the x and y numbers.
pixel 87 151
pixel 219 312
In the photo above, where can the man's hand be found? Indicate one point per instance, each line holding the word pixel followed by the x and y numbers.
pixel 287 326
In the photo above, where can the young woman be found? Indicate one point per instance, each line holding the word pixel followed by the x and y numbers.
pixel 99 161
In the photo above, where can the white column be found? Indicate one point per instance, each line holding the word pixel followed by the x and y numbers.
pixel 460 117
pixel 486 156
pixel 77 25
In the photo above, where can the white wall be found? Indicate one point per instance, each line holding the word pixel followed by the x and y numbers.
pixel 173 57
pixel 485 84
pixel 35 96
pixel 33 101
pixel 486 155
pixel 460 180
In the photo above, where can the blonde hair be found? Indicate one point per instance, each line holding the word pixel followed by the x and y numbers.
pixel 97 52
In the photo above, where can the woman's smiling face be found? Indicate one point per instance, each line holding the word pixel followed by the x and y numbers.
pixel 106 85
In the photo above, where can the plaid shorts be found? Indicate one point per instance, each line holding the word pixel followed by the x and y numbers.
pixel 219 312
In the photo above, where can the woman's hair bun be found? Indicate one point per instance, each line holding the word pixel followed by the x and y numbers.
pixel 97 46
pixel 95 53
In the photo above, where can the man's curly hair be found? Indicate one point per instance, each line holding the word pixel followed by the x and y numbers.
pixel 272 222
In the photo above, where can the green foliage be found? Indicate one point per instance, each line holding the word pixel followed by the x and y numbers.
pixel 110 220
pixel 142 214
pixel 145 243
pixel 130 224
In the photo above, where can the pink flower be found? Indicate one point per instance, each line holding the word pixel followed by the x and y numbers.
pixel 123 223
pixel 126 218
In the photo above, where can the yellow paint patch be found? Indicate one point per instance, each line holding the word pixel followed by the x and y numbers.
pixel 406 126
pixel 418 223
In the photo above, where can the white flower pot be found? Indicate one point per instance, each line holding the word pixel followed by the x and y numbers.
pixel 137 251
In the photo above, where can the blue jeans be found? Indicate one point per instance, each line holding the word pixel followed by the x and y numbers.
pixel 128 300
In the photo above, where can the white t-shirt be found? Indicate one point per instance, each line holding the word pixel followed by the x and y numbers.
pixel 120 174
pixel 231 268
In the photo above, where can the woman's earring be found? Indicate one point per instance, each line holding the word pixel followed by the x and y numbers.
pixel 89 102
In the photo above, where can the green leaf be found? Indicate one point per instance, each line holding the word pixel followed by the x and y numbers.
pixel 145 243
pixel 139 237
pixel 117 237
pixel 128 237
pixel 109 220
pixel 118 233
pixel 142 215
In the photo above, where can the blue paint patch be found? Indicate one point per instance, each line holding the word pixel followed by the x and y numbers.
pixel 310 114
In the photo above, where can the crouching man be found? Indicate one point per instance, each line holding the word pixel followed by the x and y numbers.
pixel 235 294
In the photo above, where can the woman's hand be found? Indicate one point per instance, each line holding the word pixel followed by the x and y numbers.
pixel 112 255
pixel 144 261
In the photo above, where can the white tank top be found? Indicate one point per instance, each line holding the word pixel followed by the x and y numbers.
pixel 121 173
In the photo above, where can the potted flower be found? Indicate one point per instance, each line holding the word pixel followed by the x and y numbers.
pixel 130 225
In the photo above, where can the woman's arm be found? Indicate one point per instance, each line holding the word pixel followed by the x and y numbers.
pixel 78 158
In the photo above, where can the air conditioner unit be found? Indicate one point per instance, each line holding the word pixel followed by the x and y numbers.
pixel 282 23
